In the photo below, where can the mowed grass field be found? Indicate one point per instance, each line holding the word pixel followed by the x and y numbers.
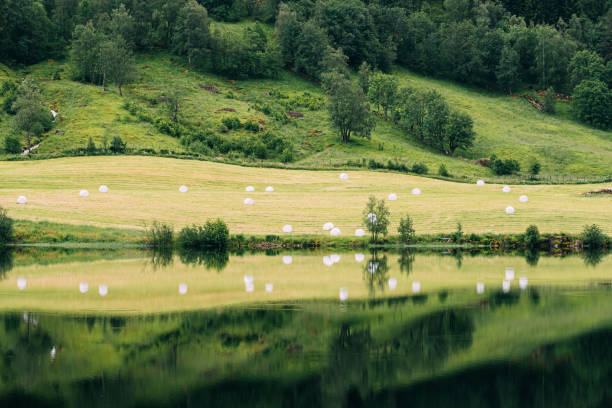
pixel 146 189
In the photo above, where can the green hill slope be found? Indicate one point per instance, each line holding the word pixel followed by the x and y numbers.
pixel 507 127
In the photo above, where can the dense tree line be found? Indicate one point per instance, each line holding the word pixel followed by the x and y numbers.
pixel 503 44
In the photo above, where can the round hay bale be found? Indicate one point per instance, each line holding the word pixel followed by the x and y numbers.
pixel 22 283
pixel 509 274
pixel 523 281
pixel 103 189
pixel 480 183
pixel 183 189
pixel 248 279
pixel 373 267
pixel 392 283
pixel 248 201
pixel 182 288
pixel 269 189
pixel 510 210
pixel 335 258
pixel 249 287
pixel 344 176
pixel 250 189
pixel 359 232
pixel 506 286
pixel 287 259
pixel 22 200
pixel 328 226
pixel 343 294
pixel 372 218
pixel 523 199
pixel 506 189
pixel 83 193
pixel 480 288
pixel 416 191
pixel 359 257
pixel 269 287
pixel 287 228
pixel 83 287
pixel 335 232
pixel 392 197
pixel 416 287
pixel 103 290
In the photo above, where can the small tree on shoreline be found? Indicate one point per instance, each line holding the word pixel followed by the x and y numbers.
pixel 376 218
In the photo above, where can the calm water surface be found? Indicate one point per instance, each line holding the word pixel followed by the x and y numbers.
pixel 83 328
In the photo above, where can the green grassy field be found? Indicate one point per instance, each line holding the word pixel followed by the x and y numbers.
pixel 505 126
pixel 144 189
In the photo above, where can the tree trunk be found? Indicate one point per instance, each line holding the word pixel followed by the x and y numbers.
pixel 120 93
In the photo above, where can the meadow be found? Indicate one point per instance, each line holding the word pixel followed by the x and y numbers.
pixel 146 189
pixel 505 126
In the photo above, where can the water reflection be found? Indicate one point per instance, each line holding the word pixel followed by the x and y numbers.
pixel 376 273
pixel 6 260
pixel 215 260
pixel 592 257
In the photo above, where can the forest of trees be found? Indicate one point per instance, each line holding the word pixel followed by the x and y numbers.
pixel 504 45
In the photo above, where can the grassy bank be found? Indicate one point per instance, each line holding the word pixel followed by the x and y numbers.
pixel 143 189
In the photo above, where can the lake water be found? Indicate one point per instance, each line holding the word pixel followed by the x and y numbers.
pixel 87 328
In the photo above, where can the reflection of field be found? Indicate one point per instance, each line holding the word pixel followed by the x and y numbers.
pixel 146 189
pixel 135 285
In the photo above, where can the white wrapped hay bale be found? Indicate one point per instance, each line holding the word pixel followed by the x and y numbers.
pixel 510 210
pixel 183 189
pixel 392 197
pixel 344 176
pixel 104 189
pixel 182 288
pixel 523 282
pixel 359 257
pixel 269 189
pixel 480 288
pixel 287 259
pixel 506 286
pixel 392 283
pixel 359 232
pixel 416 287
pixel 509 274
pixel 103 290
pixel 287 228
pixel 335 232
pixel 506 189
pixel 372 218
pixel 22 283
pixel 327 261
pixel 250 189
pixel 248 201
pixel 416 191
pixel 83 287
pixel 343 294
pixel 335 258
pixel 83 193
pixel 328 226
pixel 22 200
pixel 269 287
pixel 523 199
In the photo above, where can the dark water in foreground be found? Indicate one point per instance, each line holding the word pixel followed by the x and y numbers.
pixel 544 345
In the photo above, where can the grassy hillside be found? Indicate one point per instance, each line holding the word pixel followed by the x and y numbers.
pixel 507 127
pixel 143 189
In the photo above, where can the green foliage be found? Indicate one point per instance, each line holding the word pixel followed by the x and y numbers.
pixel 406 230
pixel 419 168
pixel 508 70
pixel 192 34
pixel 91 146
pixel 12 145
pixel 349 111
pixel 593 103
pixel 251 126
pixel 586 65
pixel 505 167
pixel 549 101
pixel 6 228
pixel 232 123
pixel 117 145
pixel 459 132
pixel 442 171
pixel 534 168
pixel 458 234
pixel 31 118
pixel 382 91
pixel 160 236
pixel 214 234
pixel 532 237
pixel 594 238
pixel 376 218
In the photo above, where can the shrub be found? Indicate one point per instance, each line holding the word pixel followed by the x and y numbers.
pixel 376 217
pixel 419 168
pixel 442 171
pixel 406 230
pixel 504 167
pixel 91 146
pixel 532 237
pixel 214 234
pixel 117 145
pixel 458 234
pixel 251 126
pixel 593 237
pixel 549 101
pixel 12 145
pixel 231 123
pixel 287 155
pixel 6 228
pixel 160 236
pixel 534 168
